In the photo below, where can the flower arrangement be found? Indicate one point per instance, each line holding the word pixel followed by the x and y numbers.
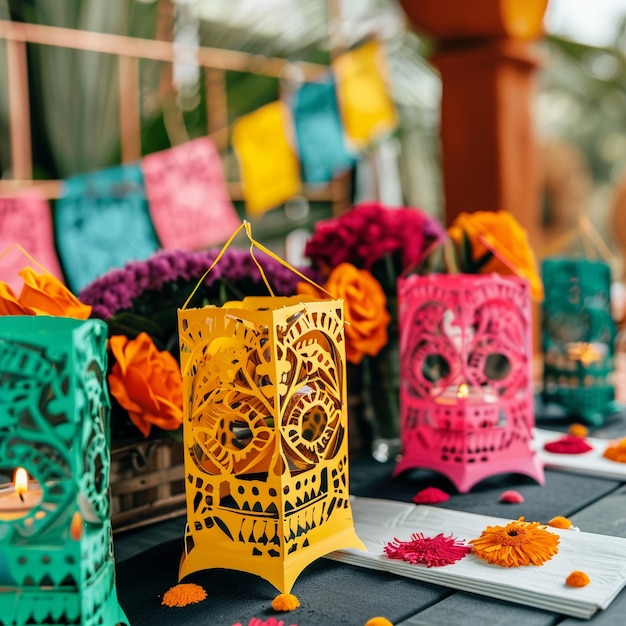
pixel 494 241
pixel 139 303
pixel 373 243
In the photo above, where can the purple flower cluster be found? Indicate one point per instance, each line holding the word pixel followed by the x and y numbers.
pixel 368 232
pixel 119 289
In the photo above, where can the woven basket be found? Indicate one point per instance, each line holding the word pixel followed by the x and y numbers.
pixel 147 482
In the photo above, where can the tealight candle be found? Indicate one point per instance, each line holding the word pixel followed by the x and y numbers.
pixel 17 498
pixel 464 394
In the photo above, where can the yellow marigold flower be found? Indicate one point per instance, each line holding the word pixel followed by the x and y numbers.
pixel 502 238
pixel 285 602
pixel 517 543
pixel 577 579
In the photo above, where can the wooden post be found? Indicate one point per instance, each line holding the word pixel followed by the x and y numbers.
pixel 130 115
pixel 487 66
pixel 19 110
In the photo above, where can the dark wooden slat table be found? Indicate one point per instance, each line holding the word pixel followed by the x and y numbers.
pixel 335 593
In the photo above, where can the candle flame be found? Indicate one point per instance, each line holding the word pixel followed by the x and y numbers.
pixel 20 479
pixel 463 391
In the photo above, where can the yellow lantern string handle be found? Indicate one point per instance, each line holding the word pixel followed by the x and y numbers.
pixel 593 244
pixel 245 225
pixel 27 255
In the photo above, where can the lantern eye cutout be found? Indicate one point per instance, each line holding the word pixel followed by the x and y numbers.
pixel 435 367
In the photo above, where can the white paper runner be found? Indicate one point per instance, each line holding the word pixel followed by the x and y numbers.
pixel 590 463
pixel 601 557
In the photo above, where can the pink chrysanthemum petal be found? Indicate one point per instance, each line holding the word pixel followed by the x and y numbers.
pixel 429 551
pixel 430 495
pixel 511 497
pixel 568 444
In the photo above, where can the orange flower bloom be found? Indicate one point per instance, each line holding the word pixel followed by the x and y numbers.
pixel 517 543
pixel 147 383
pixel 42 294
pixel 499 233
pixel 365 308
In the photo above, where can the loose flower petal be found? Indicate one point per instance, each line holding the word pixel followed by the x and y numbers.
pixel 518 543
pixel 430 495
pixel 511 497
pixel 183 595
pixel 578 430
pixel 569 444
pixel 560 522
pixel 430 551
pixel 616 451
pixel 285 602
pixel 577 579
pixel 257 621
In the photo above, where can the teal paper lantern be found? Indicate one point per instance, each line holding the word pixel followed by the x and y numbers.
pixel 578 336
pixel 56 553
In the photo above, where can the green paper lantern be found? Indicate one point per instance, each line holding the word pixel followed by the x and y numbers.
pixel 56 553
pixel 578 335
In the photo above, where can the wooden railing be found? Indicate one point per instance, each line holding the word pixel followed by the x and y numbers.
pixel 129 52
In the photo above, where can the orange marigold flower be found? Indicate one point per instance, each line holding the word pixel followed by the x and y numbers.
pixel 501 235
pixel 378 621
pixel 577 579
pixel 616 451
pixel 285 602
pixel 147 383
pixel 365 308
pixel 517 543
pixel 42 294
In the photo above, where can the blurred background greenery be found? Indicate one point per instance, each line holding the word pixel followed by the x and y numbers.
pixel 580 104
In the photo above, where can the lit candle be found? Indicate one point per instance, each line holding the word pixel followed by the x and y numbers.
pixel 464 394
pixel 17 498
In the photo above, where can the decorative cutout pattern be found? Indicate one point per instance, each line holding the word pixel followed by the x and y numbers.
pixel 265 430
pixel 54 412
pixel 466 395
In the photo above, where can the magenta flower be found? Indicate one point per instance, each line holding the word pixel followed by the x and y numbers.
pixel 429 551
pixel 368 232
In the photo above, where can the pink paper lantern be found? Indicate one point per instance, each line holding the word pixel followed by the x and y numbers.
pixel 466 397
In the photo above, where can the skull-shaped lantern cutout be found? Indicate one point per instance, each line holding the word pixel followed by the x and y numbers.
pixel 56 555
pixel 578 335
pixel 466 386
pixel 265 434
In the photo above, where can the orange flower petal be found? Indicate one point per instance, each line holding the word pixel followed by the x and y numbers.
pixel 45 294
pixel 9 304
